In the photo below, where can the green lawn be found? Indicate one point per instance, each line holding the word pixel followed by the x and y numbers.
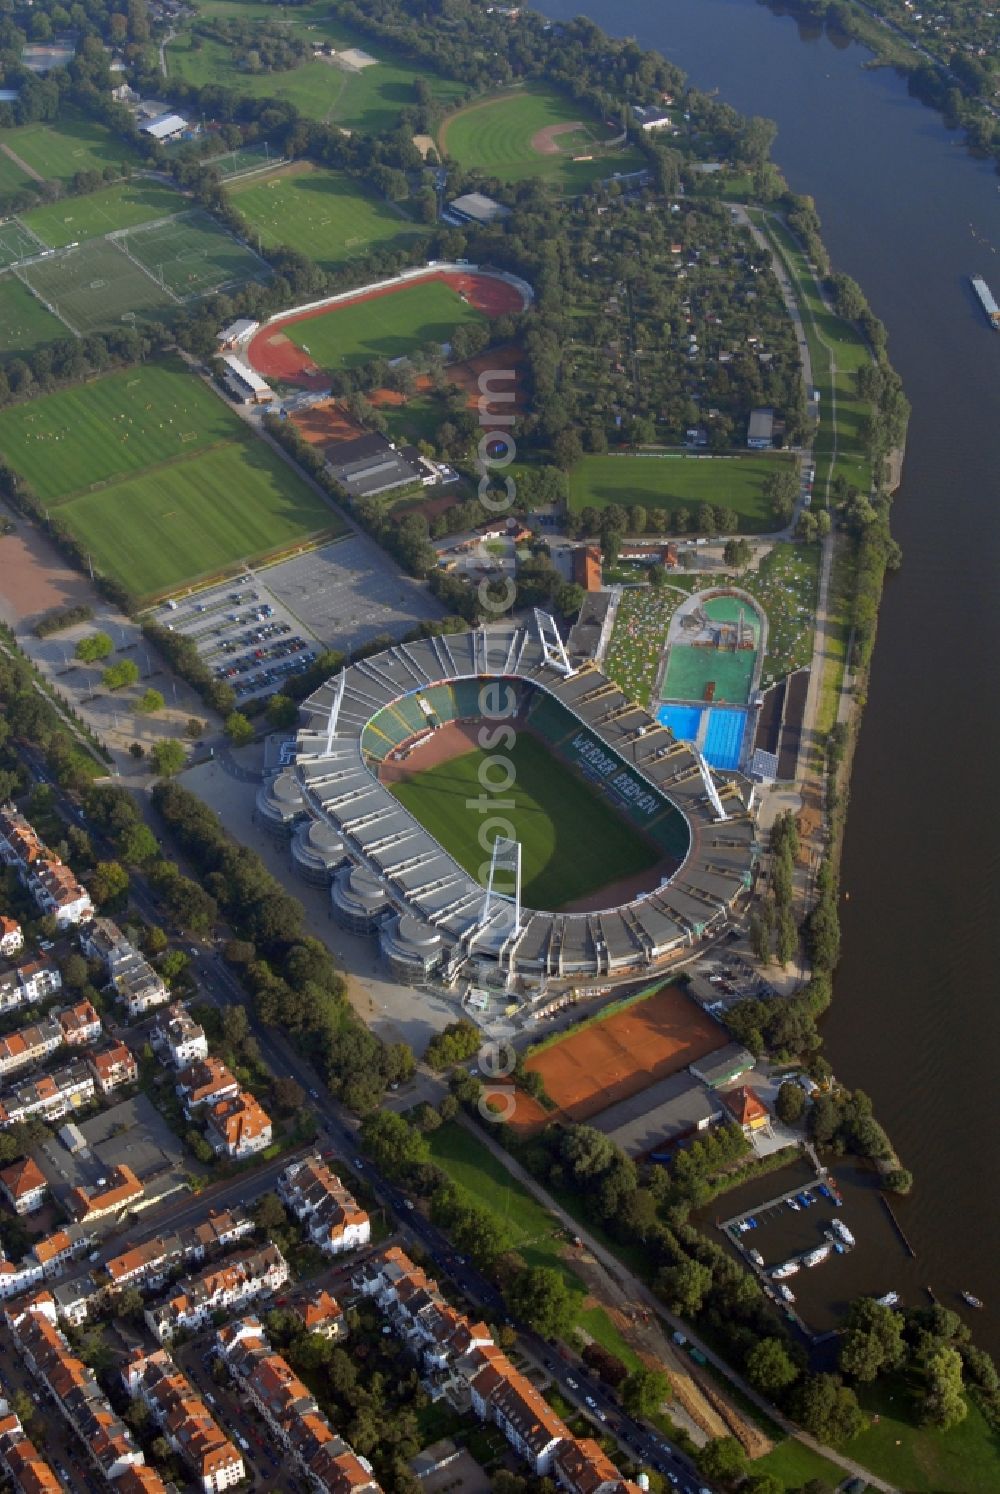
pixel 497 137
pixel 73 143
pixel 793 1464
pixel 388 327
pixel 12 178
pixel 195 517
pixel 572 842
pixel 24 322
pixel 964 1460
pixel 124 205
pixel 670 482
pixel 324 214
pixel 97 287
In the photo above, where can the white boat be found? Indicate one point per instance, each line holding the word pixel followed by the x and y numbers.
pixel 817 1256
pixel 756 1257
pixel 787 1293
pixel 788 1269
pixel 793 1203
pixel 888 1299
pixel 840 1228
pixel 972 1301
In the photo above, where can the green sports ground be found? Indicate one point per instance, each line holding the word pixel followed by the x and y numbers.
pixel 572 841
pixel 324 214
pixel 670 481
pixel 388 326
pixel 123 205
pixel 74 143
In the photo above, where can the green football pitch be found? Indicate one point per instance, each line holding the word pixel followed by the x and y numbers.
pixel 388 326
pixel 24 322
pixel 124 205
pixel 324 214
pixel 671 482
pixel 73 143
pixel 572 841
pixel 535 132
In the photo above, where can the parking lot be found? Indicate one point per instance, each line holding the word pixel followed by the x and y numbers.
pixel 244 634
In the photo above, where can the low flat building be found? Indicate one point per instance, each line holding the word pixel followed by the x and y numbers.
pixel 475 207
pixel 661 1115
pixel 236 333
pixel 165 127
pixel 723 1066
pixel 244 383
pixel 371 464
pixel 760 430
pixel 121 1191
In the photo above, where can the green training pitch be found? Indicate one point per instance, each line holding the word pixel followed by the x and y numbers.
pixel 16 243
pixel 111 427
pixel 124 205
pixel 386 326
pixel 73 143
pixel 735 482
pixel 24 322
pixel 572 842
pixel 325 215
pixel 534 131
pixel 194 518
pixel 96 287
pixel 12 178
pixel 193 255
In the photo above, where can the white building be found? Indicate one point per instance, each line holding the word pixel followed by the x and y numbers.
pixel 182 1037
pixel 11 937
pixel 316 1196
pixel 227 1287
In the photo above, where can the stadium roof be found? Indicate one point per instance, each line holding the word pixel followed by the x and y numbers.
pixel 423 879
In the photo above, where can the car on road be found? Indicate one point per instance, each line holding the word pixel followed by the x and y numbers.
pixel 590 1402
pixel 359 1164
pixel 571 1383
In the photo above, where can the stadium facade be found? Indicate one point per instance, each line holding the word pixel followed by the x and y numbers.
pixel 390 877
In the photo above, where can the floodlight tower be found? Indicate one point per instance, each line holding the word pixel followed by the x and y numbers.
pixel 338 696
pixel 505 860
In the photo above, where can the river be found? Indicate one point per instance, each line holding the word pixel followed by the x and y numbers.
pixel 906 211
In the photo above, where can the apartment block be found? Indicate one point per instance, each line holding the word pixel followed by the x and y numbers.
pixel 226 1287
pixel 238 1127
pixel 80 1024
pixel 184 1419
pixel 332 1217
pixel 180 1036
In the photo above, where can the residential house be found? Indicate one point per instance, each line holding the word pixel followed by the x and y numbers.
pixel 112 1066
pixel 184 1419
pixel 318 1199
pixel 320 1313
pixel 121 1191
pixel 19 844
pixel 291 1412
pixel 747 1109
pixel 29 1045
pixel 11 991
pixel 216 1231
pixel 205 1082
pixel 57 892
pixel 25 1185
pixel 229 1285
pixel 80 1024
pixel 138 986
pixel 38 979
pixel 11 937
pixel 182 1037
pixel 581 1466
pixel 238 1127
pixel 146 1265
pixel 76 1296
pixel 27 1470
pixel 49 1095
pixel 102 939
pixel 53 1251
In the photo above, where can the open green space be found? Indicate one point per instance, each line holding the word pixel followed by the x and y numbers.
pixel 672 482
pixel 572 841
pixel 388 326
pixel 690 670
pixel 72 143
pixel 786 584
pixel 123 205
pixel 67 442
pixel 96 287
pixel 192 518
pixel 12 177
pixel 24 322
pixel 502 137
pixel 793 1464
pixel 243 159
pixel 193 254
pixel 921 1459
pixel 326 215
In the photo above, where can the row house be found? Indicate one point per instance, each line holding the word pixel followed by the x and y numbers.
pixel 57 892
pixel 291 1412
pixel 27 1470
pixel 229 1286
pixel 75 1390
pixel 333 1219
pixel 206 1082
pixel 581 1466
pixel 238 1127
pixel 184 1419
pixel 24 1185
pixel 147 1266
pixel 130 974
pixel 80 1024
pixel 121 1191
pixel 29 1045
pixel 180 1036
pixel 112 1066
pixel 50 1095
pixel 46 1258
pixel 101 939
pixel 417 1310
pixel 76 1297
pixel 19 842
pixel 32 981
pixel 503 1395
pixel 11 937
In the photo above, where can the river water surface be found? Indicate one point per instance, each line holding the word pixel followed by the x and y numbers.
pixel 916 1019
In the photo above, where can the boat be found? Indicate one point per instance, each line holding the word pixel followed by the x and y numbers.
pixel 840 1229
pixel 805 1199
pixel 992 310
pixel 787 1293
pixel 817 1256
pixel 788 1269
pixel 825 1191
pixel 793 1203
pixel 970 1300
pixel 888 1299
pixel 756 1257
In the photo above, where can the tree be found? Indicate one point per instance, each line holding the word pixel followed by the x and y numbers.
pixel 827 1408
pixel 898 1180
pixel 683 1286
pixel 167 757
pixel 456 1043
pixel 790 1103
pixel 539 1296
pixel 269 1215
pixel 944 1404
pixel 149 702
pixel 108 882
pixel 737 554
pixel 873 1340
pixel 238 729
pixel 722 1459
pixel 282 712
pixel 91 650
pixel 644 1392
pixel 193 728
pixel 121 674
pixel 569 598
pixel 288 1095
pixel 137 844
pixel 770 1368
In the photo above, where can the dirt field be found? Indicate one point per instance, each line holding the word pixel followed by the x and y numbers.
pixel 452 740
pixel 611 1060
pixel 325 423
pixel 546 142
pixel 34 578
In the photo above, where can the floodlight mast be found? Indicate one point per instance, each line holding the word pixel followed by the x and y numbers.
pixel 505 857
pixel 331 725
pixel 553 648
pixel 710 788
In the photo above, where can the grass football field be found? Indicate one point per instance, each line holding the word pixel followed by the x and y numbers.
pixel 572 842
pixel 497 136
pixel 96 286
pixel 193 254
pixel 16 243
pixel 24 322
pixel 323 214
pixel 384 327
pixel 73 143
pixel 124 205
pixel 672 482
pixel 12 178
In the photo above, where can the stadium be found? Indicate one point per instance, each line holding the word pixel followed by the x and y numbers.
pixel 389 875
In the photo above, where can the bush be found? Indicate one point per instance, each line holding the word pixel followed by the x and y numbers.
pixel 60 619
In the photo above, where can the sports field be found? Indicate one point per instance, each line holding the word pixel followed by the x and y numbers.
pixel 326 215
pixel 670 482
pixel 572 841
pixel 245 158
pixel 24 322
pixel 12 177
pixel 73 143
pixel 96 286
pixel 534 132
pixel 16 243
pixel 614 1057
pixel 192 255
pixel 124 205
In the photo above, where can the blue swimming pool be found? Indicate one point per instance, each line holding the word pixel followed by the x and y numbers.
pixel 683 721
pixel 724 738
